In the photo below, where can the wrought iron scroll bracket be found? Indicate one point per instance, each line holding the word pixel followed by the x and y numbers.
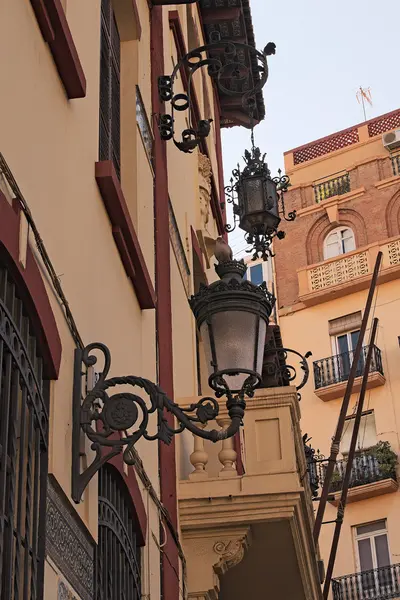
pixel 287 373
pixel 226 65
pixel 115 422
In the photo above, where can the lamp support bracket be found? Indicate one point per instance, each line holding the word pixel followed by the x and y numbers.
pixel 115 422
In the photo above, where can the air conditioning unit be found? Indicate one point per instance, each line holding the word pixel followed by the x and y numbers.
pixel 391 140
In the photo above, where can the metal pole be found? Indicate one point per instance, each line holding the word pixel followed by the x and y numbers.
pixel 349 466
pixel 345 405
pixel 363 103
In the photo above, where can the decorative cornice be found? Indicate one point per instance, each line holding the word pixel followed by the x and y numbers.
pixel 384 183
pixel 321 206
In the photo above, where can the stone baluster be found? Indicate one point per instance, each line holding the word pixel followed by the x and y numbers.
pixel 198 458
pixel 227 455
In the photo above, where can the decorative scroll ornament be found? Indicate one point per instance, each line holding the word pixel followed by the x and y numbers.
pixel 117 421
pixel 205 171
pixel 226 65
pixel 231 554
pixel 275 366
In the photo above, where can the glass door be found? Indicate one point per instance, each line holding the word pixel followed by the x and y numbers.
pixel 345 347
pixel 376 578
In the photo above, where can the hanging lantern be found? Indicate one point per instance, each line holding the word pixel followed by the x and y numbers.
pixel 258 202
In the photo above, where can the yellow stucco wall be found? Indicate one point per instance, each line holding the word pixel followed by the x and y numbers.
pixel 51 146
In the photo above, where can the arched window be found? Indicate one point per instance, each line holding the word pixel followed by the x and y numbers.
pixel 23 448
pixel 339 241
pixel 118 553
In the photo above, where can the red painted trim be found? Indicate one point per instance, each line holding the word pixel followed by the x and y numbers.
pixel 54 27
pixel 31 289
pixel 124 233
pixel 176 27
pixel 43 20
pixel 124 252
pixel 167 461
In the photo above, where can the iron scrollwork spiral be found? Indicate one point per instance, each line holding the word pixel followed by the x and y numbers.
pixel 225 62
pixel 116 421
pixel 276 366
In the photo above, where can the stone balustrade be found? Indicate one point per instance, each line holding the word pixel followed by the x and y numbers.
pixel 348 273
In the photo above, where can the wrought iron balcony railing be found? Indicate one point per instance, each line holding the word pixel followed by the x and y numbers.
pixel 335 369
pixel 376 584
pixel 366 469
pixel 333 187
pixel 396 164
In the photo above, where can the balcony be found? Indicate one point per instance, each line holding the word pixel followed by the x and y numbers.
pixel 348 273
pixel 373 474
pixel 396 164
pixel 336 186
pixel 331 373
pixel 376 584
pixel 245 508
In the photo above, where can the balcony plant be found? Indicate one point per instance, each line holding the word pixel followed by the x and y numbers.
pixel 386 458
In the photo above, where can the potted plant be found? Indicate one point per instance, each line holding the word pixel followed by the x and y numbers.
pixel 386 458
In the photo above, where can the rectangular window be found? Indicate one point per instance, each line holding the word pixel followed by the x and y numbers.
pixel 110 92
pixel 343 347
pixel 256 274
pixel 372 553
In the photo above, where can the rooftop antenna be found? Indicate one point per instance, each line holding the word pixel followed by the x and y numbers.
pixel 364 94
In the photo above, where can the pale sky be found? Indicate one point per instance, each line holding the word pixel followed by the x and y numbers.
pixel 325 50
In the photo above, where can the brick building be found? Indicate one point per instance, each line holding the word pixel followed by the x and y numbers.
pixel 346 190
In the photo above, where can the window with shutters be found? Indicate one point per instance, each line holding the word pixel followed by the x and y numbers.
pixel 110 88
pixel 23 449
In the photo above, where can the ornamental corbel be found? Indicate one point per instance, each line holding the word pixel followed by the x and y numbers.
pixel 230 553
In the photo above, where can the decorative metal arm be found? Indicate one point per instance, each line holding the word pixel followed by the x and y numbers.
pixel 281 371
pixel 121 419
pixel 226 64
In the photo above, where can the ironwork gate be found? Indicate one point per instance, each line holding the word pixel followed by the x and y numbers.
pixel 118 555
pixel 23 450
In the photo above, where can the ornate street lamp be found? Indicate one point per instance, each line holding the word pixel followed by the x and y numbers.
pixel 258 203
pixel 232 315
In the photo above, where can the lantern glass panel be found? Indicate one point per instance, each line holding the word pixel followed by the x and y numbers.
pixel 272 197
pixel 236 346
pixel 254 194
